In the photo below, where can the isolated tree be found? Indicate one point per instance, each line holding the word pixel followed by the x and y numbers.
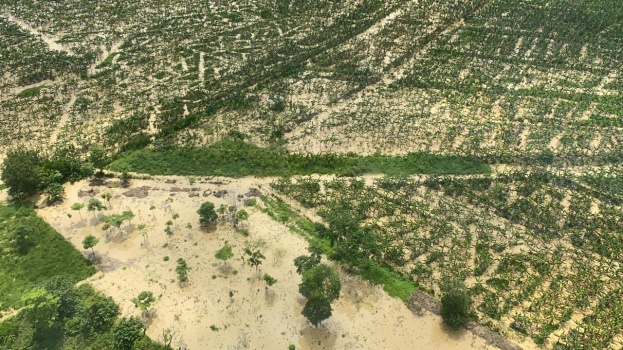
pixel 128 215
pixel 143 301
pixel 222 211
pixel 224 253
pixel 167 337
pixel 320 282
pixel 241 215
pixel 107 196
pixel 182 270
pixel 77 207
pixel 98 158
pixel 20 172
pixel 95 205
pixel 168 232
pixel 151 208
pixel 321 286
pixel 89 242
pixel 207 214
pixel 127 332
pixel 455 305
pixel 142 228
pixel 255 258
pixel 270 280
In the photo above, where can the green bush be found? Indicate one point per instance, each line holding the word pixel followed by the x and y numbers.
pixel 455 306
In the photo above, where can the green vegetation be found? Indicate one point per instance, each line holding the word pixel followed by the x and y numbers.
pixel 182 270
pixel 321 286
pixel 532 84
pixel 455 306
pixel 143 301
pixel 394 284
pixel 207 214
pixel 254 258
pixel 62 316
pixel 20 172
pixel 235 158
pixel 270 280
pixel 47 255
pixel 30 92
pixel 224 253
pixel 108 61
pixel 25 172
pixel 89 242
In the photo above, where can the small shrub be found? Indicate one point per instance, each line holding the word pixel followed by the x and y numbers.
pixel 455 306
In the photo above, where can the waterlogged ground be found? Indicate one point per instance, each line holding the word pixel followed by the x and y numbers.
pixel 228 306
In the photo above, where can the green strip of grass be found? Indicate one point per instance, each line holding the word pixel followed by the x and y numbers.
pixel 2 187
pixel 279 211
pixel 394 284
pixel 48 255
pixel 30 92
pixel 235 158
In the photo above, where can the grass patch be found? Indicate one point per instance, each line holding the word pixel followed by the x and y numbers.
pixel 393 284
pixel 48 255
pixel 2 187
pixel 236 158
pixel 30 92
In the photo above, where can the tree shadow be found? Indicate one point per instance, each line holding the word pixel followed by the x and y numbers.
pixel 316 338
pixel 454 334
pixel 270 297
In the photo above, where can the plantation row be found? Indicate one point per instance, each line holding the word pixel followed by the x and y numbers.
pixel 514 80
pixel 536 259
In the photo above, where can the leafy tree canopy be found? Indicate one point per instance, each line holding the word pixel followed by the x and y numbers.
pixel 20 172
pixel 321 282
pixel 455 306
pixel 207 214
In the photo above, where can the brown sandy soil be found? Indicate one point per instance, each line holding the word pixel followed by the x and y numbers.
pixel 364 317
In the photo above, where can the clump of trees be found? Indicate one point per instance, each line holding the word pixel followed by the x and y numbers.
pixel 26 172
pixel 20 172
pixel 59 312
